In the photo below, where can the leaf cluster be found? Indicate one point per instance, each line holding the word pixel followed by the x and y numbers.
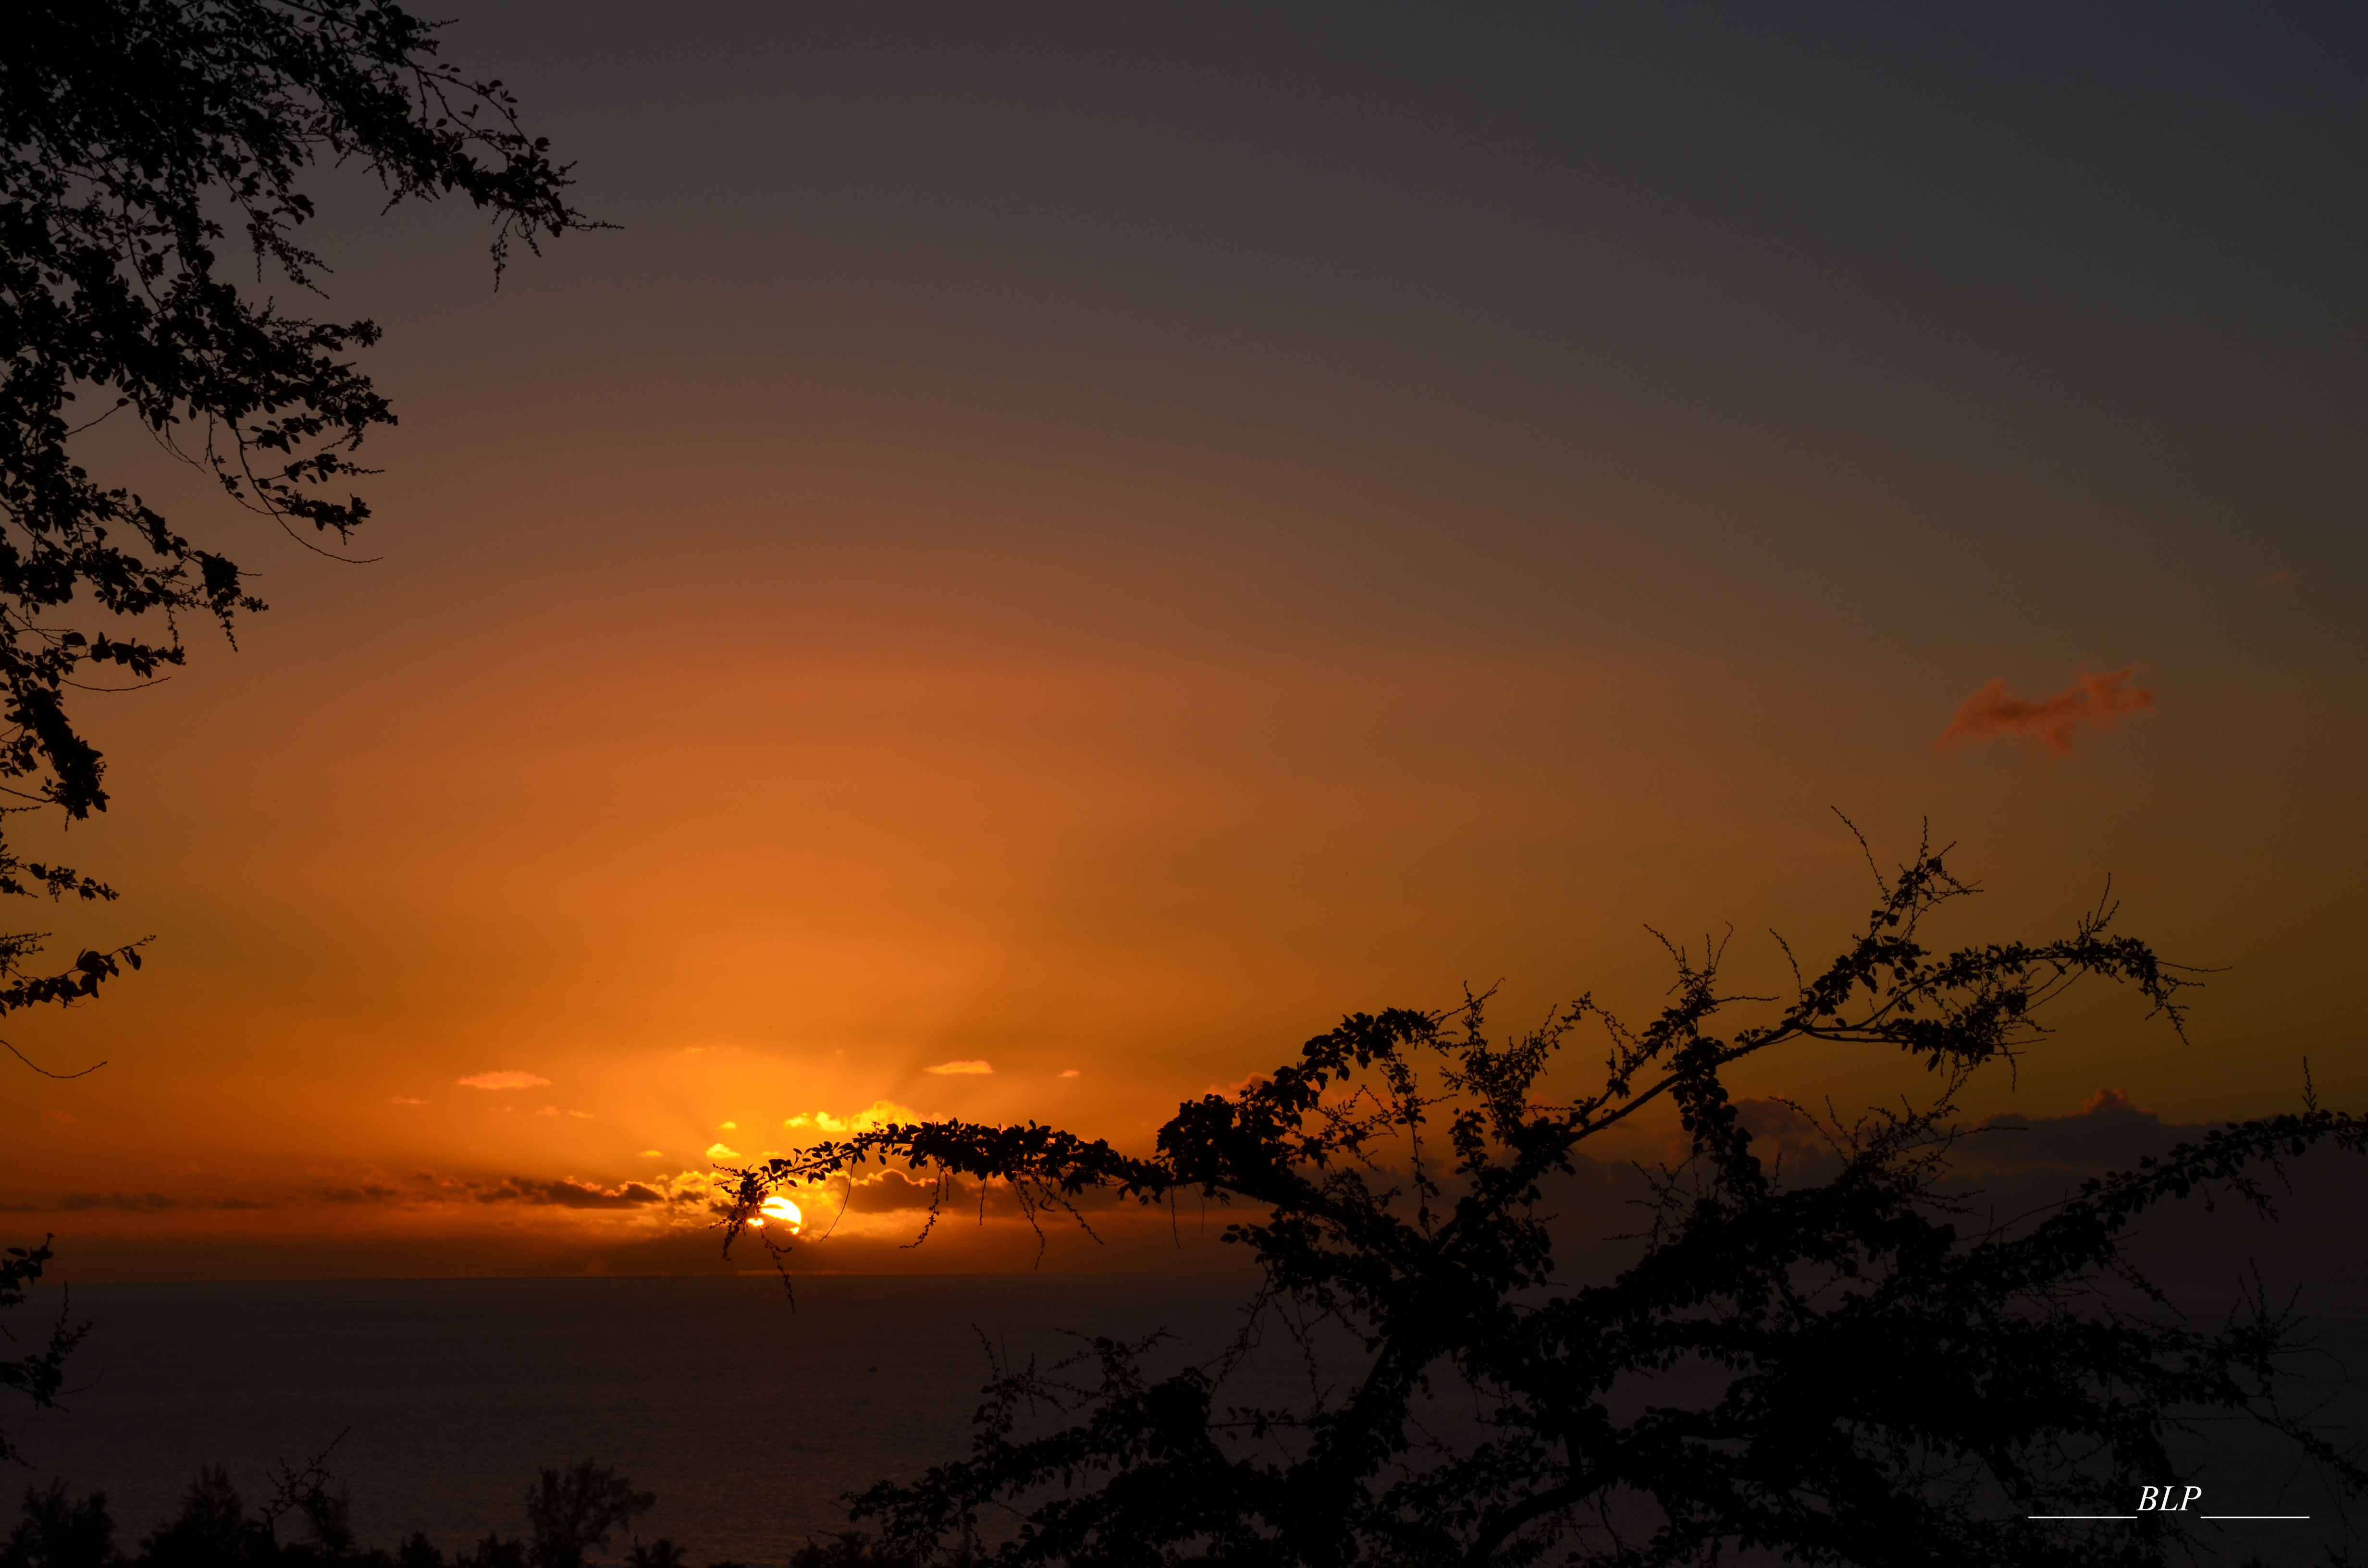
pixel 1824 1371
pixel 146 146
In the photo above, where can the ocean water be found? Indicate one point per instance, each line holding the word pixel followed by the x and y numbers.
pixel 443 1398
pixel 749 1420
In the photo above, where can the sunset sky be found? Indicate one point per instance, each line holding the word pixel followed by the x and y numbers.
pixel 1086 543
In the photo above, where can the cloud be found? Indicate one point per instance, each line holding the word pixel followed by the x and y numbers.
pixel 136 1202
pixel 403 1099
pixel 504 1081
pixel 581 1115
pixel 719 1151
pixel 571 1194
pixel 63 1118
pixel 152 1202
pixel 435 1190
pixel 2099 698
pixel 548 1111
pixel 2281 578
pixel 890 1191
pixel 730 1127
pixel 2110 1129
pixel 2112 1132
pixel 878 1114
pixel 970 1066
pixel 1068 1072
pixel 653 1155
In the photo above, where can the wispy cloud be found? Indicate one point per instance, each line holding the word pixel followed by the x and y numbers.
pixel 2096 698
pixel 970 1066
pixel 403 1099
pixel 369 1192
pixel 432 1190
pixel 571 1194
pixel 153 1202
pixel 504 1081
pixel 135 1202
pixel 63 1118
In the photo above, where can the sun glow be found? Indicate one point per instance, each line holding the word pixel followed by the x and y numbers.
pixel 778 1210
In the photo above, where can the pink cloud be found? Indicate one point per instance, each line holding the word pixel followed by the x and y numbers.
pixel 2099 698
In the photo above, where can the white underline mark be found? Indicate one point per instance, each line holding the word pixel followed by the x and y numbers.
pixel 2196 1516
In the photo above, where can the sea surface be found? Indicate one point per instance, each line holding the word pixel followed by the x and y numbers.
pixel 437 1401
pixel 443 1398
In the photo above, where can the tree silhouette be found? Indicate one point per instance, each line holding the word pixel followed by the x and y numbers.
pixel 568 1511
pixel 37 1375
pixel 131 132
pixel 1859 1369
pixel 54 1530
pixel 577 1509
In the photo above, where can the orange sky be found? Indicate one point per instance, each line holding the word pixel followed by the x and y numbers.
pixel 883 607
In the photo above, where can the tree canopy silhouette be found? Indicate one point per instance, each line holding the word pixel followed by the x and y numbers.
pixel 37 1375
pixel 134 135
pixel 306 1522
pixel 1864 1368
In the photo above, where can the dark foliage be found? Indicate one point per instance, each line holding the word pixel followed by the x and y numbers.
pixel 55 1531
pixel 40 1374
pixel 1863 1369
pixel 131 133
pixel 573 1510
pixel 568 1511
pixel 210 1531
pixel 134 134
pixel 853 1548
